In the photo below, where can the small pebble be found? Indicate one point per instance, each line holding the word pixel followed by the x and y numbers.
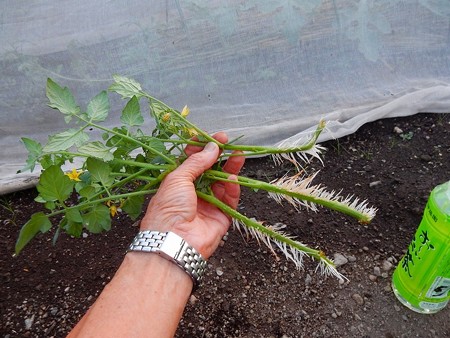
pixel 29 322
pixel 397 130
pixel 308 279
pixel 358 299
pixel 377 271
pixel 386 265
pixel 193 300
pixel 340 259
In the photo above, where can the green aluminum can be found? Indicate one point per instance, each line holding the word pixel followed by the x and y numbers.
pixel 421 280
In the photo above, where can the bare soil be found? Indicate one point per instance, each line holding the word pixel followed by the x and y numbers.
pixel 248 292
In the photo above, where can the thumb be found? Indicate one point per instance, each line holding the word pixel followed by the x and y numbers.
pixel 198 163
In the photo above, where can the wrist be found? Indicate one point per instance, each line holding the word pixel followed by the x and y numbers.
pixel 172 248
pixel 157 269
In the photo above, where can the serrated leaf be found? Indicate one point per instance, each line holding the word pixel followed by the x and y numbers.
pixel 54 185
pixel 131 114
pixel 50 205
pixel 87 191
pixel 158 108
pixel 38 222
pixel 72 228
pixel 115 140
pixel 73 222
pixel 34 152
pixel 74 215
pixel 46 161
pixel 66 139
pixel 126 87
pixel 98 107
pixel 39 199
pixel 61 98
pixel 97 219
pixel 100 171
pixel 156 144
pixel 133 206
pixel 96 149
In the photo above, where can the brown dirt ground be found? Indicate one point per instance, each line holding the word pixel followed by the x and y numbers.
pixel 247 291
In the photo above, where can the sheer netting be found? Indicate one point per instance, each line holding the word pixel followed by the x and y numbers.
pixel 268 70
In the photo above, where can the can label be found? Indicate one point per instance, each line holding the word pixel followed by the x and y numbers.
pixel 421 280
pixel 439 288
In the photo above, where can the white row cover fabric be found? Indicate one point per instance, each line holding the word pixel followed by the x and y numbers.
pixel 269 70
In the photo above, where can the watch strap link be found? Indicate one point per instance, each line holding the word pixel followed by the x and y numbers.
pixel 174 248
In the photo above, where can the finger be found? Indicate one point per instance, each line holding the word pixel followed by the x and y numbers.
pixel 196 164
pixel 191 149
pixel 228 192
pixel 234 164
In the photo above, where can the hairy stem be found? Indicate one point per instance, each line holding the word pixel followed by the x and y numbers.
pixel 255 184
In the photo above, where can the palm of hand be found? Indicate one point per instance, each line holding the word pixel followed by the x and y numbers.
pixel 176 207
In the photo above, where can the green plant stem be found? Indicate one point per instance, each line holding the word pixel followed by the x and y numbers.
pixel 147 166
pixel 128 138
pixel 100 200
pixel 137 177
pixel 255 184
pixel 317 254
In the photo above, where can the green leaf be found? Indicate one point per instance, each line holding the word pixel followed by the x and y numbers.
pixel 98 107
pixel 46 161
pixel 54 185
pixel 38 222
pixel 156 144
pixel 115 140
pixel 96 149
pixel 39 199
pixel 74 215
pixel 133 206
pixel 74 222
pixel 57 232
pixel 126 87
pixel 100 171
pixel 131 114
pixel 66 139
pixel 34 152
pixel 88 191
pixel 50 205
pixel 71 227
pixel 61 98
pixel 98 219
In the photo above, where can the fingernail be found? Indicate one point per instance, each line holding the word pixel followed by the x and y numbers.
pixel 211 146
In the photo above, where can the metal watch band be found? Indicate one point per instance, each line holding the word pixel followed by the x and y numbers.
pixel 174 248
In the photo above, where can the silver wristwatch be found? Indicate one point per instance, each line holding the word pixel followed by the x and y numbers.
pixel 174 248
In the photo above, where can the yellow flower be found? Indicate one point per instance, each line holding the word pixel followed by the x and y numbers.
pixel 191 131
pixel 113 208
pixel 166 117
pixel 74 175
pixel 185 112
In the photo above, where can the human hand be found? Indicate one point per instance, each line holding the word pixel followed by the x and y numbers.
pixel 176 207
